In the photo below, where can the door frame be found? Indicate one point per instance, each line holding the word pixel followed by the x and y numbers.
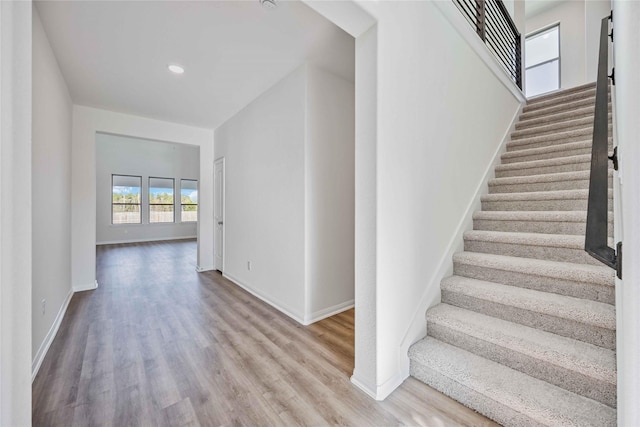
pixel 216 162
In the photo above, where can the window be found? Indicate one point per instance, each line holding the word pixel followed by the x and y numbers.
pixel 125 199
pixel 160 200
pixel 189 200
pixel 542 61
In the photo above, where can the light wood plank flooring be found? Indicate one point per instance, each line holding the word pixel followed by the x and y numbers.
pixel 159 344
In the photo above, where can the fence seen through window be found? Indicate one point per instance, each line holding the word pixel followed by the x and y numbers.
pixel 125 199
pixel 189 200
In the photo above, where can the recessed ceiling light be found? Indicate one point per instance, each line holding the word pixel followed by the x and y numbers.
pixel 175 68
pixel 269 4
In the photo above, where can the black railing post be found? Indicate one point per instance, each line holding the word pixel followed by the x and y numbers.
pixel 481 23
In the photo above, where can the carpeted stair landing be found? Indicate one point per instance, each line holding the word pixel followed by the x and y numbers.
pixel 526 330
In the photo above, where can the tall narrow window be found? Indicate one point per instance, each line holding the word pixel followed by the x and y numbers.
pixel 189 200
pixel 125 199
pixel 542 61
pixel 160 200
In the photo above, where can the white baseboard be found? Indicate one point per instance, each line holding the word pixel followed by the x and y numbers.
pixel 379 392
pixel 48 339
pixel 200 268
pixel 418 327
pixel 154 239
pixel 266 298
pixel 329 311
pixel 82 288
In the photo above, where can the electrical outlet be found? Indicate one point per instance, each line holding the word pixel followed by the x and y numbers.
pixel 249 265
pixel 44 306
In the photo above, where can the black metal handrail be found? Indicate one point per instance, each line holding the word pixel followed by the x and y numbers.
pixel 494 26
pixel 596 240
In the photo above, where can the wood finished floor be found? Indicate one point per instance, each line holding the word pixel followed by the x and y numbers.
pixel 159 344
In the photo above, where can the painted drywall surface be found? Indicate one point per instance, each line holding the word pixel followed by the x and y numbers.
pixel 87 122
pixel 329 191
pixel 130 156
pixel 263 148
pixel 594 11
pixel 365 363
pixel 579 34
pixel 627 111
pixel 439 126
pixel 51 187
pixel 15 212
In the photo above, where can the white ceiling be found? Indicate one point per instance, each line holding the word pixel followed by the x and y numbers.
pixel 534 7
pixel 114 54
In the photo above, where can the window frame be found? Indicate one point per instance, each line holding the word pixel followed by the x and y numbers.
pixel 558 58
pixel 189 204
pixel 149 204
pixel 126 204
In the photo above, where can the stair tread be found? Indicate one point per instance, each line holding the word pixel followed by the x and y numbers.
pixel 561 92
pixel 546 216
pixel 550 149
pixel 597 274
pixel 559 135
pixel 549 110
pixel 536 399
pixel 539 195
pixel 530 164
pixel 568 353
pixel 580 310
pixel 582 122
pixel 560 98
pixel 547 177
pixel 530 239
pixel 527 122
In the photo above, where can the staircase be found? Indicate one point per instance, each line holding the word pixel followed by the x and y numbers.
pixel 526 331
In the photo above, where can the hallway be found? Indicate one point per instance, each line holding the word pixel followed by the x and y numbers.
pixel 159 344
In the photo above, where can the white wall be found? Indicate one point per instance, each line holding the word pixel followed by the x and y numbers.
pixel 289 195
pixel 329 193
pixel 131 156
pixel 441 117
pixel 15 213
pixel 51 194
pixel 263 148
pixel 579 33
pixel 87 122
pixel 627 111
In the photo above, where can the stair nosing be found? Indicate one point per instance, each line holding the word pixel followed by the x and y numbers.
pixel 543 303
pixel 543 340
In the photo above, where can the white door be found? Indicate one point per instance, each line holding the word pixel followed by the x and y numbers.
pixel 218 212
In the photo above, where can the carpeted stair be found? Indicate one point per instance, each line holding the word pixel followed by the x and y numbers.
pixel 526 330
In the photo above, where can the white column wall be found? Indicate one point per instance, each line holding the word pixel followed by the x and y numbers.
pixel 51 181
pixel 627 109
pixel 15 213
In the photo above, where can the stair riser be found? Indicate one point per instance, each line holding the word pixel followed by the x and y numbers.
pixel 560 100
pixel 530 251
pixel 576 382
pixel 585 290
pixel 541 170
pixel 555 118
pixel 490 408
pixel 528 145
pixel 545 227
pixel 582 134
pixel 562 92
pixel 558 109
pixel 545 128
pixel 547 156
pixel 568 328
pixel 539 205
pixel 577 184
